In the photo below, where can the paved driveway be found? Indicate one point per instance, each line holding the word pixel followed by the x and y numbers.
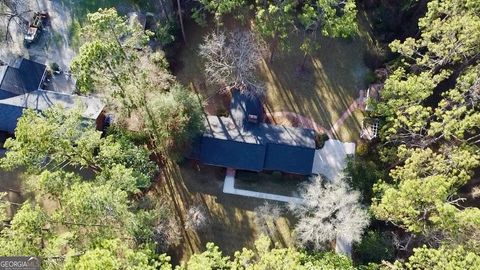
pixel 53 46
pixel 330 160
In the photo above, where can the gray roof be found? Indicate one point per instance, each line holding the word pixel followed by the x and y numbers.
pixel 32 74
pixel 11 81
pixel 41 99
pixel 28 77
pixel 227 129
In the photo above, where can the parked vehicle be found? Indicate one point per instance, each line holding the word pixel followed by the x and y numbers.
pixel 35 27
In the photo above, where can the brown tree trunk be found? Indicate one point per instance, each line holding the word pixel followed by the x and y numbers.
pixel 305 56
pixel 273 47
pixel 180 17
pixel 164 9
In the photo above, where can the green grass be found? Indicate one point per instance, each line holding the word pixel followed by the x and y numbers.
pixel 350 131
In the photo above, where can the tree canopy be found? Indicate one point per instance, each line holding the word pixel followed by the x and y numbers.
pixel 115 62
pixel 329 210
pixel 263 256
pixel 87 211
pixel 430 135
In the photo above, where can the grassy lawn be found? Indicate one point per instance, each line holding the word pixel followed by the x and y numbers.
pixel 232 217
pixel 350 131
pixel 332 80
pixel 281 184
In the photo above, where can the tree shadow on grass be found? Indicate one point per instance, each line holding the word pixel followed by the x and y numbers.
pixel 231 224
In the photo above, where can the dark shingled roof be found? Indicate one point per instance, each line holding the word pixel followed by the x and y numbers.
pixel 237 143
pixel 12 108
pixel 232 154
pixel 25 79
pixel 287 158
pixel 11 81
pixel 32 74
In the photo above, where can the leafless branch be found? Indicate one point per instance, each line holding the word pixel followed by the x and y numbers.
pixel 231 61
pixel 329 210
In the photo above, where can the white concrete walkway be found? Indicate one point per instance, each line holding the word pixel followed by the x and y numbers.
pixel 229 188
pixel 330 160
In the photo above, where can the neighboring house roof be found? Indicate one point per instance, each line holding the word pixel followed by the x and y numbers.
pixel 20 89
pixel 12 108
pixel 8 117
pixel 238 143
pixel 32 74
pixel 42 99
pixel 11 81
pixel 28 77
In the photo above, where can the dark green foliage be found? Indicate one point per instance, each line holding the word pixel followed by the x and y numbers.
pixel 330 260
pixel 320 140
pixel 362 148
pixel 370 78
pixel 136 137
pixel 123 151
pixel 362 173
pixel 374 247
pixel 54 66
pixel 218 8
pixel 166 31
pixel 174 119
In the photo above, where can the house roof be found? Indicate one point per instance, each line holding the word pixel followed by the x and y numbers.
pixel 32 74
pixel 8 117
pixel 238 143
pixel 24 79
pixel 232 154
pixel 11 81
pixel 41 99
pixel 288 158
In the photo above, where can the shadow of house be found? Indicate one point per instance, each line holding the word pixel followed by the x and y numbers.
pixel 20 88
pixel 244 141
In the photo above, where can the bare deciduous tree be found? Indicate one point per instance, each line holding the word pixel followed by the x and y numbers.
pixel 476 192
pixel 330 209
pixel 166 234
pixel 231 61
pixel 197 218
pixel 13 11
pixel 265 215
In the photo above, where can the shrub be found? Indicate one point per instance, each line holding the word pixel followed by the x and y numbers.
pixel 361 149
pixel 362 174
pixel 166 31
pixel 374 247
pixel 370 78
pixel 222 111
pixel 320 140
pixel 54 66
